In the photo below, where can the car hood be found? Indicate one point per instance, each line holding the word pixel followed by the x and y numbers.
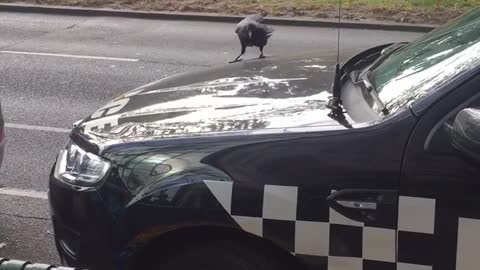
pixel 257 95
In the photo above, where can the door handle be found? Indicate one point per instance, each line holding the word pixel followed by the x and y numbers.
pixel 365 205
pixel 358 204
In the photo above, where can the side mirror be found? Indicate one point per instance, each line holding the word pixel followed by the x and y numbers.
pixel 464 134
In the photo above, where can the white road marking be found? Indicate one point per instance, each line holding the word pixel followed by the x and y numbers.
pixel 24 193
pixel 39 128
pixel 73 56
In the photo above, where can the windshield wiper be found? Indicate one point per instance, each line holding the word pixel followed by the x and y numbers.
pixel 386 53
pixel 335 101
pixel 373 93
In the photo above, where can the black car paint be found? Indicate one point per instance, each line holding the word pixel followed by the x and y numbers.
pixel 238 98
pixel 255 81
pixel 454 184
pixel 129 209
pixel 126 208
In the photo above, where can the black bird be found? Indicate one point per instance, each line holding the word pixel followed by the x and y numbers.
pixel 252 32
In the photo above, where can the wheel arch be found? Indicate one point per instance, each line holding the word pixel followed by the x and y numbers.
pixel 168 242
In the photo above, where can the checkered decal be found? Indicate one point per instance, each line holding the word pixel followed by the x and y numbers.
pixel 309 229
pixel 416 224
pixel 300 221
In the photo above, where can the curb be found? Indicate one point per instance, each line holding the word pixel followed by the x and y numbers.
pixel 209 17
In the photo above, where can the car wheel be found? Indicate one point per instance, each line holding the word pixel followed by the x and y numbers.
pixel 223 255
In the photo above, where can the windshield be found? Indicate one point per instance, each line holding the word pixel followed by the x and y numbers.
pixel 429 62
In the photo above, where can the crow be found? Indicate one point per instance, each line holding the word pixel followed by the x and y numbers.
pixel 252 32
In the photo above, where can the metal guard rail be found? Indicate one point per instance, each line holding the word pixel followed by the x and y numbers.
pixel 6 264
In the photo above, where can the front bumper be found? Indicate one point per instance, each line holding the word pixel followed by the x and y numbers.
pixel 83 227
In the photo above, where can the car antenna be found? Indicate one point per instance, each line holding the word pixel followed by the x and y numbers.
pixel 335 101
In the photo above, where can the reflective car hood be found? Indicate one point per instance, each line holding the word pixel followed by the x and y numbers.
pixel 247 96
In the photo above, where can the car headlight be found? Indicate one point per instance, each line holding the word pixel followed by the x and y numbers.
pixel 80 168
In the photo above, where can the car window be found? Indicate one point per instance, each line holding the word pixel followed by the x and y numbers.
pixel 429 62
pixel 437 141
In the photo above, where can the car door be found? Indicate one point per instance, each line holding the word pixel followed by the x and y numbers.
pixel 439 202
pixel 329 198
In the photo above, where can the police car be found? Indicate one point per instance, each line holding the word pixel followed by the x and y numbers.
pixel 259 165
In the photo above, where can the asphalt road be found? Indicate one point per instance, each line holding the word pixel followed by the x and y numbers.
pixel 95 59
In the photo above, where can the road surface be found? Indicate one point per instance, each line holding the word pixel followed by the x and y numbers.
pixel 55 70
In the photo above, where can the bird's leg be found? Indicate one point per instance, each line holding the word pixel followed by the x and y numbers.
pixel 241 54
pixel 261 53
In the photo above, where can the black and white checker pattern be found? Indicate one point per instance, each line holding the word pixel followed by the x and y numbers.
pixel 302 223
pixel 416 239
pixel 420 243
pixel 468 241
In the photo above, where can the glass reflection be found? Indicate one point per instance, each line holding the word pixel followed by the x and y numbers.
pixel 429 62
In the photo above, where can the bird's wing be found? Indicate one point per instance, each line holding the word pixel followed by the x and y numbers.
pixel 254 17
pixel 263 29
pixel 242 28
